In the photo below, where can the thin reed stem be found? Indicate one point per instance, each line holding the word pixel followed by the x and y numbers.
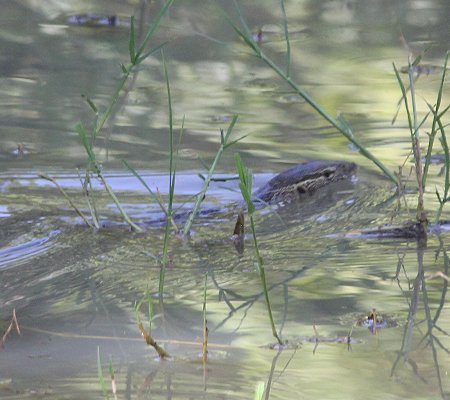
pixel 224 144
pixel 434 123
pixel 67 197
pixel 245 178
pixel 136 58
pixel 286 37
pixel 415 137
pixel 172 175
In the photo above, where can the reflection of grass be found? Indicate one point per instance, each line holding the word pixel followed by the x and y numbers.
pixel 205 324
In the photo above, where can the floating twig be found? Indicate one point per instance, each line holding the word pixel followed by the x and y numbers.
pixel 13 323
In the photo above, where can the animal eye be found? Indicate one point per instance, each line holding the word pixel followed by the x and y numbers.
pixel 327 174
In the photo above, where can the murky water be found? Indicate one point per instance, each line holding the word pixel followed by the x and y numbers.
pixel 74 289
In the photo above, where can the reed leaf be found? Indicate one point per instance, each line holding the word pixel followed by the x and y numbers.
pixel 286 37
pixel 153 28
pixel 245 185
pixel 132 41
pixel 436 116
pixel 207 179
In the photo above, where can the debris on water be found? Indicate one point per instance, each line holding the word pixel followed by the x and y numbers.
pixel 283 346
pixel 374 321
pixel 420 69
pixel 94 20
pixel 239 234
pixel 221 118
pixel 20 151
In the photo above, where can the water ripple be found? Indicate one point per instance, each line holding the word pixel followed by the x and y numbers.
pixel 11 256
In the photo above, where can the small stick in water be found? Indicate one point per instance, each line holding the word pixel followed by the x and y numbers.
pixel 238 234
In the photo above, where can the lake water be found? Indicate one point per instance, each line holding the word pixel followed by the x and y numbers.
pixel 74 289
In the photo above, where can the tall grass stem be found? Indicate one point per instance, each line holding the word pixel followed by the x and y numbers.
pixel 245 178
pixel 224 144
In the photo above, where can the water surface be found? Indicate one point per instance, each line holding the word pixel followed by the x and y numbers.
pixel 74 289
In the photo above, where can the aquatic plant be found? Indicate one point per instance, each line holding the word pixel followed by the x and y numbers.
pixel 200 196
pixel 340 123
pixel 415 128
pixel 172 174
pixel 245 184
pixel 147 333
pixel 137 54
pixel 101 378
pixel 259 390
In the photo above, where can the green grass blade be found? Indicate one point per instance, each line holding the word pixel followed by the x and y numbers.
pixel 444 111
pixel 122 211
pixel 171 148
pixel 165 257
pixel 150 52
pixel 245 183
pixel 91 104
pixel 441 86
pixel 259 390
pixel 286 36
pixel 242 19
pixel 247 38
pixel 230 128
pixel 153 28
pixel 67 197
pixel 405 98
pixel 152 193
pixel 132 41
pixel 85 142
pixel 207 179
pixel 445 148
pixel 437 115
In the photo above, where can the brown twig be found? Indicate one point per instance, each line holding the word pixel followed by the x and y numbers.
pixel 12 324
pixel 438 274
pixel 151 342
